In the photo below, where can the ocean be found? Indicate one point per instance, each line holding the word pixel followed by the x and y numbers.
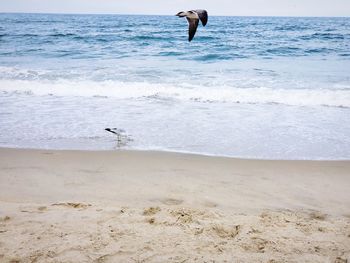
pixel 250 87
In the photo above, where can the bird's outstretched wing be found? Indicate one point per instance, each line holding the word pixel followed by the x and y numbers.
pixel 192 27
pixel 203 16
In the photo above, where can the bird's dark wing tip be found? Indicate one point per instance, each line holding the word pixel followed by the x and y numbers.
pixel 192 28
pixel 203 16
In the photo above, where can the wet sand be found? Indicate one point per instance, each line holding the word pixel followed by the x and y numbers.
pixel 129 206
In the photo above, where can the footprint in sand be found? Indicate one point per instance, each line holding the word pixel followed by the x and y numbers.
pixel 225 231
pixel 317 215
pixel 210 204
pixel 172 201
pixel 257 245
pixel 72 205
pixel 151 211
pixel 340 260
pixel 184 216
pixel 33 209
pixel 42 208
pixel 3 226
pixel 5 219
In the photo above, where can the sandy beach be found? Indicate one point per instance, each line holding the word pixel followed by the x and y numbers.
pixel 130 206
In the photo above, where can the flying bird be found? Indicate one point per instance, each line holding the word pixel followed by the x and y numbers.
pixel 193 18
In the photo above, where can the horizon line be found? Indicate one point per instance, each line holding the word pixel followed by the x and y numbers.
pixel 139 14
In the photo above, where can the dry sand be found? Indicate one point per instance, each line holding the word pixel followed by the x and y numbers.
pixel 76 206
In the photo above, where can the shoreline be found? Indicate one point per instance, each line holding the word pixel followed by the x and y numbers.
pixel 110 206
pixel 167 151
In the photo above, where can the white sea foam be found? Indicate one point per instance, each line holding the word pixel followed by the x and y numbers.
pixel 132 90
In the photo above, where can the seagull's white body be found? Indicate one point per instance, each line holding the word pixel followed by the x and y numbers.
pixel 193 17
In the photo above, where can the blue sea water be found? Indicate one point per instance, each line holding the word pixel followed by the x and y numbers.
pixel 256 87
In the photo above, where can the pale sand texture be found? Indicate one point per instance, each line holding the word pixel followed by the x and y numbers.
pixel 75 206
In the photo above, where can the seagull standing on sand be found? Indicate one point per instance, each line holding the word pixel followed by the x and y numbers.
pixel 193 18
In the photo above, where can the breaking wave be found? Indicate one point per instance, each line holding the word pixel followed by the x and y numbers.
pixel 221 94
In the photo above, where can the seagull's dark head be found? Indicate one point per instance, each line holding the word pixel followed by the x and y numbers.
pixel 181 14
